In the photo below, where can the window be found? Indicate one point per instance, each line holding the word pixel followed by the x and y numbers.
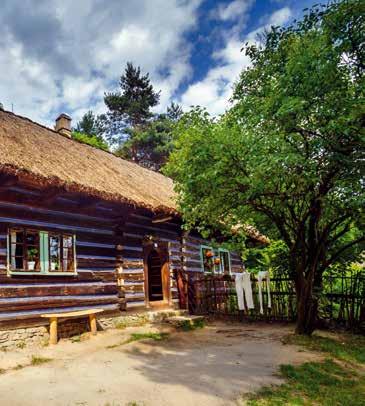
pixel 41 252
pixel 207 258
pixel 212 262
pixel 224 261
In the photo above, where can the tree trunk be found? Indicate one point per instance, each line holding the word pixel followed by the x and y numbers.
pixel 308 290
pixel 307 307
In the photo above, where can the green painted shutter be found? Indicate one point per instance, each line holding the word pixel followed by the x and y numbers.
pixel 44 251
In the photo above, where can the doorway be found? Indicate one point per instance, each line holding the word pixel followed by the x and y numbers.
pixel 156 274
pixel 155 291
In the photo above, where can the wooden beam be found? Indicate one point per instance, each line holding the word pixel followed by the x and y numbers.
pixel 7 181
pixel 161 218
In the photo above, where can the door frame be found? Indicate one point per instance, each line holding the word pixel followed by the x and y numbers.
pixel 161 247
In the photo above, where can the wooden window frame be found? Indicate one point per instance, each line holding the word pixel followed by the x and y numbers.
pixel 229 261
pixel 41 272
pixel 206 247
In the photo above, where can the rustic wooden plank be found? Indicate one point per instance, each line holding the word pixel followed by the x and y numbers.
pixel 48 225
pixel 37 313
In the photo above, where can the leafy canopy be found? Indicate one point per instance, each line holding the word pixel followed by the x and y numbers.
pixel 290 150
pixel 93 140
pixel 293 144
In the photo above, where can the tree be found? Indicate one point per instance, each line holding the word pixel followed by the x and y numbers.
pixel 130 107
pixel 174 111
pixel 90 124
pixel 151 145
pixel 93 140
pixel 89 131
pixel 291 149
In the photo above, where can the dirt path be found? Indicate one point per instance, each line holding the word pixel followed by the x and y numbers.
pixel 212 366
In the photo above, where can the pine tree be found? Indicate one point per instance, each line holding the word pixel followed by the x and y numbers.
pixel 151 144
pixel 129 108
pixel 89 130
pixel 90 124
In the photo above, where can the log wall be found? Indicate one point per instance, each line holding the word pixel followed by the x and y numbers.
pixel 131 276
pixel 109 254
pixel 24 297
pixel 190 247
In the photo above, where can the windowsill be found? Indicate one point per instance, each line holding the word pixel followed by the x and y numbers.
pixel 17 273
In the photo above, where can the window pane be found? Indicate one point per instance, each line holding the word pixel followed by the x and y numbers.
pixel 68 257
pixel 224 261
pixel 32 250
pixel 54 249
pixel 17 237
pixel 17 249
pixel 31 238
pixel 33 263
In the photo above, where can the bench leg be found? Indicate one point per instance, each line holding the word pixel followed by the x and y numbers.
pixel 53 331
pixel 92 319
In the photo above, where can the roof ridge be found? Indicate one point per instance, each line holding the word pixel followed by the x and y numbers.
pixel 77 141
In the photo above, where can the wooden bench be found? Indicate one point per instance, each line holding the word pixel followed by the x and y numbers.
pixel 55 316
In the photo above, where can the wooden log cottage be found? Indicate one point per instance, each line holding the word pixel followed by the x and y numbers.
pixel 81 228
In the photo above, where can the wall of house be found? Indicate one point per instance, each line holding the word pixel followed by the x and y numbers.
pixel 192 262
pixel 24 297
pixel 131 276
pixel 109 255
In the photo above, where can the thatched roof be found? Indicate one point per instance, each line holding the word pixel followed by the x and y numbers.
pixel 31 150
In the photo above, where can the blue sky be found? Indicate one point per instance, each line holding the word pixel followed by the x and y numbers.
pixel 61 56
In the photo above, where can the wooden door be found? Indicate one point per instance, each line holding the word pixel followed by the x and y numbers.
pixel 155 289
pixel 157 274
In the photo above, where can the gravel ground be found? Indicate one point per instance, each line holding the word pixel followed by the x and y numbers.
pixel 212 366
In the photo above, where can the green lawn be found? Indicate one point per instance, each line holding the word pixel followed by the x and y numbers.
pixel 338 380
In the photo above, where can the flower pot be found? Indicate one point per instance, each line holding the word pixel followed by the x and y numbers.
pixel 31 265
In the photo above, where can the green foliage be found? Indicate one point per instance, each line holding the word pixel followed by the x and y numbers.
pixel 146 336
pixel 191 325
pixel 90 124
pixel 39 360
pixel 130 106
pixel 141 336
pixel 151 144
pixel 290 150
pixel 93 140
pixel 322 383
pixel 347 347
pixel 273 257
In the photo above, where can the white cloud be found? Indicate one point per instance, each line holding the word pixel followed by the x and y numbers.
pixel 63 56
pixel 234 10
pixel 215 90
pixel 280 17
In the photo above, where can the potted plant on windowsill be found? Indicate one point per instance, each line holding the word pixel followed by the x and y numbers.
pixel 209 262
pixel 32 258
pixel 55 265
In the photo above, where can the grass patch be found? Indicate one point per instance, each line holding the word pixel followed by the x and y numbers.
pixel 2 371
pixel 38 360
pixel 190 325
pixel 320 383
pixel 18 367
pixel 350 348
pixel 144 336
pixel 141 336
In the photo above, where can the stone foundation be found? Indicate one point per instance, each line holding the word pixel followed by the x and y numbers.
pixel 39 335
